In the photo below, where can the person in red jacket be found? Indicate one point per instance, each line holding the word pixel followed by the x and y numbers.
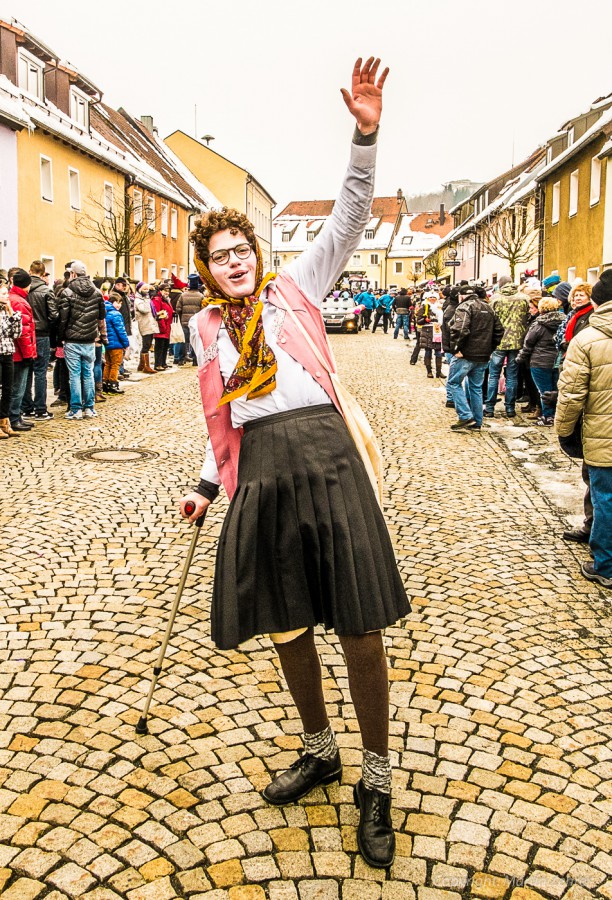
pixel 25 347
pixel 163 313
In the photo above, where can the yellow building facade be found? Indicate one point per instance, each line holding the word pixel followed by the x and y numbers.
pixel 574 214
pixel 234 186
pixel 57 184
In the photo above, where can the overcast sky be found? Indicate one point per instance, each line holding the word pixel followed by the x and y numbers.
pixel 473 83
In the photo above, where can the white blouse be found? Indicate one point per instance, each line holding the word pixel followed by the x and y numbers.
pixel 315 272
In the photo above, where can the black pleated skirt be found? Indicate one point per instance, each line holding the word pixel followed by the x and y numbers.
pixel 304 541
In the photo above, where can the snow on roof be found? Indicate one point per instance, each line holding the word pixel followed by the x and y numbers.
pixel 11 106
pixel 604 120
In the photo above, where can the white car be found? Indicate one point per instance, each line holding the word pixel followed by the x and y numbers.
pixel 341 314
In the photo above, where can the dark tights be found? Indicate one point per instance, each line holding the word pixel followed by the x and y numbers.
pixel 368 684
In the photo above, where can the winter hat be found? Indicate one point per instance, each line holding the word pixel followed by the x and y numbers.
pixel 195 282
pixel 505 279
pixel 22 279
pixel 77 267
pixel 533 293
pixel 480 291
pixel 562 291
pixel 551 281
pixel 602 289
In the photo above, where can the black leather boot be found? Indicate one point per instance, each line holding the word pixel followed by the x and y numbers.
pixel 305 774
pixel 375 837
pixel 439 367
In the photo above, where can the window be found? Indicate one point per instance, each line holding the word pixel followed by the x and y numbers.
pixel 150 212
pixel 549 155
pixel 164 218
pixel 595 180
pixel 174 269
pixel 286 236
pixel 49 264
pixel 30 74
pixel 556 202
pixel 399 268
pixel 108 200
pixel 356 259
pixel 174 224
pixel 406 241
pixel 418 268
pixel 573 194
pixel 109 267
pixel 164 274
pixel 46 179
pixel 138 268
pixel 276 263
pixel 137 207
pixel 310 235
pixel 570 136
pixel 79 107
pixel 74 188
pixel 182 273
pixel 593 275
pixel 151 271
pixel 373 259
pixel 571 274
pixel 369 234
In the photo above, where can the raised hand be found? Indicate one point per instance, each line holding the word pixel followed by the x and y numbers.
pixel 365 101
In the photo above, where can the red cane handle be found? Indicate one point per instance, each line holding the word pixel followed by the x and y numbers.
pixel 190 509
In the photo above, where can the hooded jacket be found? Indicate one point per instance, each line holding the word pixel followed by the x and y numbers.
pixel 25 344
pixel 512 307
pixel 115 329
pixel 126 311
pixel 475 330
pixel 585 387
pixel 44 306
pixel 188 304
pixel 81 307
pixel 539 348
pixel 449 309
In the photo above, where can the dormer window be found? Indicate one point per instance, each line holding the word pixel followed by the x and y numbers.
pixel 406 240
pixel 549 155
pixel 369 234
pixel 286 236
pixel 31 74
pixel 570 136
pixel 79 107
pixel 310 235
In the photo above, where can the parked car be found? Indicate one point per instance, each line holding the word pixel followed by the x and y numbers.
pixel 341 314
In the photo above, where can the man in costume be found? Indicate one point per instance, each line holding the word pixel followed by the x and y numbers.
pixel 304 541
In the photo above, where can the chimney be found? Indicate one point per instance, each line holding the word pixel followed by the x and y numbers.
pixel 147 121
pixel 442 214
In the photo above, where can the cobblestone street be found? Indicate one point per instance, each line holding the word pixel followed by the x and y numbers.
pixel 501 678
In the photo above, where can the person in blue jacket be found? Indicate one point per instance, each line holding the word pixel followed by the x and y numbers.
pixel 368 300
pixel 384 303
pixel 118 341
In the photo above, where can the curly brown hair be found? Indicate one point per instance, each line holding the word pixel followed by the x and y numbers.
pixel 218 220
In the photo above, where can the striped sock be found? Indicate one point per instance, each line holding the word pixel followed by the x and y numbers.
pixel 376 772
pixel 322 744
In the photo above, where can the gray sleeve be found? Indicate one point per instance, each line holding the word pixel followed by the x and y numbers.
pixel 319 267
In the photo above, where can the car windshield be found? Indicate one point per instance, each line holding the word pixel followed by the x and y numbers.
pixel 337 304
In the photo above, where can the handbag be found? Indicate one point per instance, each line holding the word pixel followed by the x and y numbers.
pixel 177 335
pixel 352 413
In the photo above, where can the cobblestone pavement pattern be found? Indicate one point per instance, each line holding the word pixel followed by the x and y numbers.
pixel 500 679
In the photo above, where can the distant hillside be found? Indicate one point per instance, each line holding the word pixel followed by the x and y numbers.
pixel 449 194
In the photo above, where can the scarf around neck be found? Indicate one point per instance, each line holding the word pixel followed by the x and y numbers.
pixel 255 371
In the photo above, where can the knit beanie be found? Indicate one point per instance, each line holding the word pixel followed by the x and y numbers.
pixel 21 279
pixel 602 289
pixel 562 291
pixel 551 281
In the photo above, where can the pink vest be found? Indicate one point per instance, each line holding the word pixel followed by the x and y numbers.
pixel 224 437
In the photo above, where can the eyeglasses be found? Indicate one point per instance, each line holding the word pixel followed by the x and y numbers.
pixel 221 257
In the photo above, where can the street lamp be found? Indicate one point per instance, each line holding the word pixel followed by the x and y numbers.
pixel 208 138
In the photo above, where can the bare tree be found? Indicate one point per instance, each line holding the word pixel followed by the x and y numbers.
pixel 434 265
pixel 121 226
pixel 511 235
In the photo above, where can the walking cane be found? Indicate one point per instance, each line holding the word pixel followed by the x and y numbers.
pixel 142 727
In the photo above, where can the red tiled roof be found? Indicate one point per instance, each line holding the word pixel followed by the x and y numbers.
pixel 419 223
pixel 385 208
pixel 126 133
